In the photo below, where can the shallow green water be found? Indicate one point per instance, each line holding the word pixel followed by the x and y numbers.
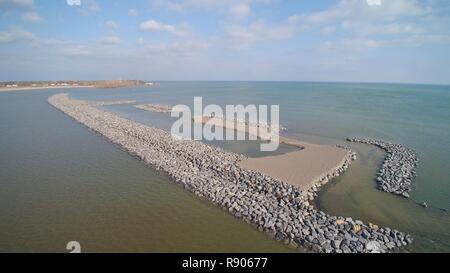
pixel 61 180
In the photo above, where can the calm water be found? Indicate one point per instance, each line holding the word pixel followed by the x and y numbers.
pixel 61 182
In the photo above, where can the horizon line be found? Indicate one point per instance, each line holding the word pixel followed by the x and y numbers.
pixel 243 81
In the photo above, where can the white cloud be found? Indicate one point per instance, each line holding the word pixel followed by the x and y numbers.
pixel 32 17
pixel 178 49
pixel 91 5
pixel 110 40
pixel 328 29
pixel 363 29
pixel 373 2
pixel 245 36
pixel 85 7
pixel 19 4
pixel 353 44
pixel 360 10
pixel 15 35
pixel 240 10
pixel 110 25
pixel 155 26
pixel 132 12
pixel 174 7
pixel 73 2
pixel 77 51
pixel 376 23
pixel 140 41
pixel 190 3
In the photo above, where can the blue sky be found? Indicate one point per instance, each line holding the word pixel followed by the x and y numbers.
pixel 297 40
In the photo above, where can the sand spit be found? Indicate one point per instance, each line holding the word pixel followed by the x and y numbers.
pixel 273 206
pixel 259 130
pixel 398 169
pixel 155 108
pixel 262 131
pixel 306 168
pixel 311 165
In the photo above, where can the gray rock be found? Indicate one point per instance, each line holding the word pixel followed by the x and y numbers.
pixel 279 209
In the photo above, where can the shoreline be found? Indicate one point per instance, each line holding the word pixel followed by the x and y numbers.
pixel 42 85
pixel 303 168
pixel 272 206
pixel 31 88
pixel 311 165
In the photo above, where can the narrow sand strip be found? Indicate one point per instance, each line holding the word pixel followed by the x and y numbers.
pixel 261 131
pixel 109 103
pixel 154 108
pixel 302 168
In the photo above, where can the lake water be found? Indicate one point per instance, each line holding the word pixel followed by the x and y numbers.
pixel 61 182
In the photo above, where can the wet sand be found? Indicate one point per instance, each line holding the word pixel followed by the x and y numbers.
pixel 300 168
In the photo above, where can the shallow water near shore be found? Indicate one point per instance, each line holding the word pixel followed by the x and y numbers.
pixel 60 180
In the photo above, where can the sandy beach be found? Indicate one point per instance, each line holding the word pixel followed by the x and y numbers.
pixel 301 168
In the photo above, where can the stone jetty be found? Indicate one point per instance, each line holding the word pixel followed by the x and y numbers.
pixel 109 103
pixel 155 108
pixel 274 207
pixel 398 169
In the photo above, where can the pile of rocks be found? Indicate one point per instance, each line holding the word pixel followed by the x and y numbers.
pixel 155 108
pixel 311 192
pixel 275 207
pixel 398 169
pixel 108 103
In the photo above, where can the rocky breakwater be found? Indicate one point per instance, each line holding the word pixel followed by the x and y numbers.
pixel 155 108
pixel 398 169
pixel 109 103
pixel 272 206
pixel 312 191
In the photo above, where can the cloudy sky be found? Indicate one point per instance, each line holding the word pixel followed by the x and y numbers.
pixel 299 40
